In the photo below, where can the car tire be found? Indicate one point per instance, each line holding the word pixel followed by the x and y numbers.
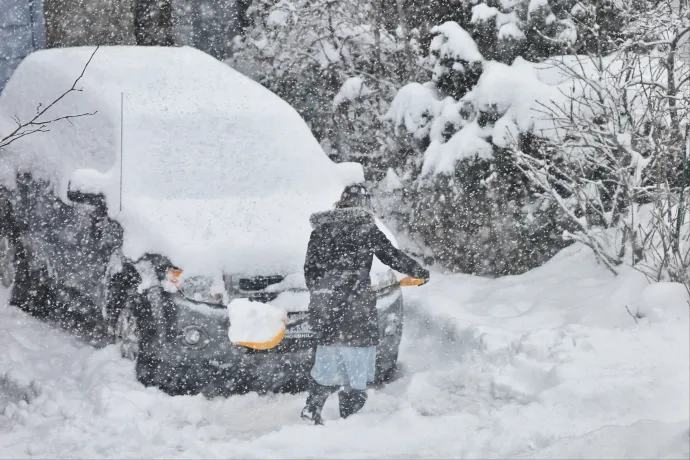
pixel 174 380
pixel 135 334
pixel 30 291
pixel 385 375
pixel 7 261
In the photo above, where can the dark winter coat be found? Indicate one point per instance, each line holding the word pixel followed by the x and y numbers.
pixel 342 307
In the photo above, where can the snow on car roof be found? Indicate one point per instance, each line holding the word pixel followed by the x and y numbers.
pixel 186 116
pixel 209 155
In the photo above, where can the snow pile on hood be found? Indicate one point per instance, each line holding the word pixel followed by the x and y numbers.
pixel 255 322
pixel 219 175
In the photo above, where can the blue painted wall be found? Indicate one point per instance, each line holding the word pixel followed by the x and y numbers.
pixel 22 31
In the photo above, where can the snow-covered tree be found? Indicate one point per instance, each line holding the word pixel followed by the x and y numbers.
pixel 616 161
pixel 462 197
pixel 153 22
pixel 93 22
pixel 336 62
pixel 532 29
pixel 594 134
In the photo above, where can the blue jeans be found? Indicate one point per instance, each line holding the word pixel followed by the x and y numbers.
pixel 337 365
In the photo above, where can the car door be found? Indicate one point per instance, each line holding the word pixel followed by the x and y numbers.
pixel 83 246
pixel 71 242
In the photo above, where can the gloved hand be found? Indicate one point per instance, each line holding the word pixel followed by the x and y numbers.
pixel 425 275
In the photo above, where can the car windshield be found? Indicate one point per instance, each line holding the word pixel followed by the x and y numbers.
pixel 216 168
pixel 267 156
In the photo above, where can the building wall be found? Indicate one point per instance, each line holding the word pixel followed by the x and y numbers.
pixel 22 31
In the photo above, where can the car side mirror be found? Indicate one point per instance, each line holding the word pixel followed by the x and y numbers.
pixel 85 186
pixel 79 196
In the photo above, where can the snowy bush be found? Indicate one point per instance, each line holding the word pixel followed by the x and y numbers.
pixel 618 145
pixel 498 162
pixel 463 199
pixel 531 29
pixel 532 120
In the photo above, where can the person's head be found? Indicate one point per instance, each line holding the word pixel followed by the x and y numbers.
pixel 354 196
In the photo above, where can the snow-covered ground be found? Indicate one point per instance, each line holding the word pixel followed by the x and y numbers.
pixel 549 364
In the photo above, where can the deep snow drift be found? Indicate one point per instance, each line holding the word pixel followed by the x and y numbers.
pixel 548 364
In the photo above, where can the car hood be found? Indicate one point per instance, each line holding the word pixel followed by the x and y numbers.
pixel 247 236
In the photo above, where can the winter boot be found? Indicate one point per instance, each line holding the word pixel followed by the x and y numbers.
pixel 318 394
pixel 351 401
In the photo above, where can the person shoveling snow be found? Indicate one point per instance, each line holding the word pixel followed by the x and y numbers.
pixel 342 307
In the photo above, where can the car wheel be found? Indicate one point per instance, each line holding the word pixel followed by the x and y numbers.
pixel 7 261
pixel 384 375
pixel 134 335
pixel 30 291
pixel 172 379
pixel 127 334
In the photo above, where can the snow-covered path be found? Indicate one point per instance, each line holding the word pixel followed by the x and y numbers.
pixel 548 364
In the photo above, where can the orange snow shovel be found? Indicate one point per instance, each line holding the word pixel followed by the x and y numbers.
pixel 256 325
pixel 409 281
pixel 272 343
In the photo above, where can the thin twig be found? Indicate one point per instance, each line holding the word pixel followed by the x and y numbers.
pixel 633 316
pixel 18 133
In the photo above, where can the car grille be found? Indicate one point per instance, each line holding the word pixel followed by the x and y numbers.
pixel 259 283
pixel 254 288
pixel 260 296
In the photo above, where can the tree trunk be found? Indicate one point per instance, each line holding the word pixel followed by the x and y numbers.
pixel 404 33
pixel 153 22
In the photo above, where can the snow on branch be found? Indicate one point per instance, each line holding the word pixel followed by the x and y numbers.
pixel 39 125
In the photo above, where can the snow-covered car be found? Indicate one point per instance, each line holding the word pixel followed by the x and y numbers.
pixel 188 185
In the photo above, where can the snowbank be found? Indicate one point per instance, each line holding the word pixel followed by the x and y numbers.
pixel 217 176
pixel 641 440
pixel 565 370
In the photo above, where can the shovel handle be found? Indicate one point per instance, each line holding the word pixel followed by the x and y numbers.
pixel 409 281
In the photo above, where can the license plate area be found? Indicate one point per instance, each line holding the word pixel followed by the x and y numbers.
pixel 297 326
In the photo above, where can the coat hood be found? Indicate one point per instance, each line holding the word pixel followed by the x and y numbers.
pixel 351 215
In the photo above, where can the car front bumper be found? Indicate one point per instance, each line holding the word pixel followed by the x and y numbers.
pixel 284 366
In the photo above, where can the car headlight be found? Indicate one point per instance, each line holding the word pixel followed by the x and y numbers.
pixel 391 324
pixel 194 336
pixel 196 288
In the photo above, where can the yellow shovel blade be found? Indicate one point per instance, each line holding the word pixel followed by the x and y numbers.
pixel 264 345
pixel 409 281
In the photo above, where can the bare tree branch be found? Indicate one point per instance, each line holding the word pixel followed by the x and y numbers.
pixel 36 125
